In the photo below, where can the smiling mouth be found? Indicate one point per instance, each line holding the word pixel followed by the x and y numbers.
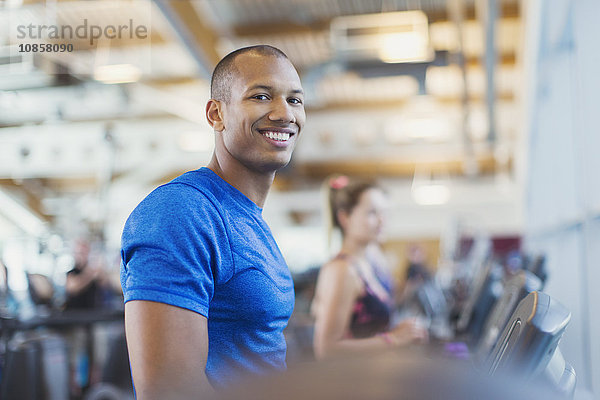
pixel 279 136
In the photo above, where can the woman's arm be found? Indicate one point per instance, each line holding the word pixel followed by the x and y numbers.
pixel 338 287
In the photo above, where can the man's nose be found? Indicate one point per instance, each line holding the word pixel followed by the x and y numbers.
pixel 282 111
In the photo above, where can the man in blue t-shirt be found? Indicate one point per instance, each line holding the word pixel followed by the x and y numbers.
pixel 207 290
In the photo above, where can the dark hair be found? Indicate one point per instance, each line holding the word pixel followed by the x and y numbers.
pixel 343 193
pixel 220 83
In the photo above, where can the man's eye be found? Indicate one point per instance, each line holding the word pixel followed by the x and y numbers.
pixel 260 97
pixel 295 101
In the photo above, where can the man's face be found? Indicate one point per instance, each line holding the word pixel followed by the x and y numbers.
pixel 265 114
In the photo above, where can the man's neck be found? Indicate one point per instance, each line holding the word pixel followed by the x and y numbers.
pixel 254 185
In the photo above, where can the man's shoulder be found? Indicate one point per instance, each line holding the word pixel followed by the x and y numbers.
pixel 185 204
pixel 190 193
pixel 190 187
pixel 199 179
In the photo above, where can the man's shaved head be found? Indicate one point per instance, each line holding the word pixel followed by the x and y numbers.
pixel 220 84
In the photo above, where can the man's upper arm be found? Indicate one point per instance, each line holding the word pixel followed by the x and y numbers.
pixel 168 348
pixel 170 245
pixel 174 249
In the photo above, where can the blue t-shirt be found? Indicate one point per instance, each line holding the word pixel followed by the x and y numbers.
pixel 200 244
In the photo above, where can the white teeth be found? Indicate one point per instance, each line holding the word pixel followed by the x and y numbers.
pixel 282 136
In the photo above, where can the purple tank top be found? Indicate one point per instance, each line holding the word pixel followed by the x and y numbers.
pixel 371 314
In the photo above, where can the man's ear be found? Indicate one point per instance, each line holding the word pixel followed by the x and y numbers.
pixel 214 114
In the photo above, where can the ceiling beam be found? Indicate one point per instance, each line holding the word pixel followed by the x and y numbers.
pixel 32 192
pixel 279 28
pixel 510 10
pixel 396 104
pixel 196 35
pixel 394 168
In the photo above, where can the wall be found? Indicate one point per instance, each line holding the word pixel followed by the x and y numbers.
pixel 562 199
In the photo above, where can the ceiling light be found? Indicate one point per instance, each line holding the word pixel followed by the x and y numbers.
pixel 427 191
pixel 117 73
pixel 394 37
pixel 427 128
pixel 13 3
pixel 444 36
pixel 404 47
pixel 430 194
pixel 423 119
pixel 409 128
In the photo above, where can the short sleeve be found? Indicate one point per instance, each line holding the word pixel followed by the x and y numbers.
pixel 175 248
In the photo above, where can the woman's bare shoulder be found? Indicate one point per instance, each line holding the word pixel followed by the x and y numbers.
pixel 341 270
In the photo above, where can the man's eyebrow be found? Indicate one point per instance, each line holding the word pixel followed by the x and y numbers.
pixel 264 87
pixel 270 88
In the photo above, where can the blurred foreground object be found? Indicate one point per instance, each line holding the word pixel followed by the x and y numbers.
pixel 528 346
pixel 402 374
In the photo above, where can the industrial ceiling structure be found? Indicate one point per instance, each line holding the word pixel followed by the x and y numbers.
pixel 415 92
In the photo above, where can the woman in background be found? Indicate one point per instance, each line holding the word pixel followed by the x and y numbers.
pixel 353 300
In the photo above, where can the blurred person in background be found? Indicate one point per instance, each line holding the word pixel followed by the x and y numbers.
pixel 89 284
pixel 417 273
pixel 7 305
pixel 354 302
pixel 417 270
